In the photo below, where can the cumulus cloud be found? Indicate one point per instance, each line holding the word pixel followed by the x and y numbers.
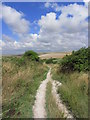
pixel 65 32
pixel 8 43
pixel 53 5
pixel 47 4
pixel 71 17
pixel 68 31
pixel 15 20
pixel 26 42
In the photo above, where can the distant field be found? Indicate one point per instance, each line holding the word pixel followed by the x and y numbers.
pixel 53 55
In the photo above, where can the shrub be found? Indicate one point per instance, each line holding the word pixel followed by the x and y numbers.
pixel 77 61
pixel 31 55
pixel 48 61
pixel 51 61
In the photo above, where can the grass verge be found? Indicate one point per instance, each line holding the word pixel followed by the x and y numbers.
pixel 20 84
pixel 74 91
pixel 51 106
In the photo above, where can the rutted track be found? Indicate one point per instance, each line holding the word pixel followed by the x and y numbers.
pixel 39 106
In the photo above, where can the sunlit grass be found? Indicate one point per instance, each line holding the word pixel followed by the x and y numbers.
pixel 51 106
pixel 20 84
pixel 74 91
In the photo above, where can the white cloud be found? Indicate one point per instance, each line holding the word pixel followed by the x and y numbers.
pixel 7 38
pixel 25 42
pixel 86 0
pixel 48 23
pixel 15 20
pixel 47 4
pixel 65 32
pixel 71 24
pixel 53 5
pixel 57 33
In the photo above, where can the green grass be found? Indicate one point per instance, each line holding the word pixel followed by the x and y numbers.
pixel 20 83
pixel 51 107
pixel 74 91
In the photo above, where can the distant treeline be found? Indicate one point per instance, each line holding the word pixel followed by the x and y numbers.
pixel 77 61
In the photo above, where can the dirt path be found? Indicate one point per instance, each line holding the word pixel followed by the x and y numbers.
pixel 39 106
pixel 61 106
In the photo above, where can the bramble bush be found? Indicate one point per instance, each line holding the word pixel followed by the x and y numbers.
pixel 77 61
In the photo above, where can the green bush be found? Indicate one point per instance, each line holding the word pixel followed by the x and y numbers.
pixel 51 61
pixel 31 55
pixel 77 61
pixel 48 61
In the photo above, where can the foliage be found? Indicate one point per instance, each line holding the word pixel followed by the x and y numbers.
pixel 77 61
pixel 51 61
pixel 31 55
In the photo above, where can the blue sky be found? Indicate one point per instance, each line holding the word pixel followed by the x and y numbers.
pixel 34 20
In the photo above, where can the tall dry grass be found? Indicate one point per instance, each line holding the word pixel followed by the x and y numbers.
pixel 20 83
pixel 74 91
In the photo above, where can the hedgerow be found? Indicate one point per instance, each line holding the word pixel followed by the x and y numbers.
pixel 77 61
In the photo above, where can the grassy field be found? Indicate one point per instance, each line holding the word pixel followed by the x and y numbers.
pixel 54 55
pixel 20 82
pixel 74 91
pixel 51 107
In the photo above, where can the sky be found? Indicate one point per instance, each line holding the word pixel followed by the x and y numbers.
pixel 43 27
